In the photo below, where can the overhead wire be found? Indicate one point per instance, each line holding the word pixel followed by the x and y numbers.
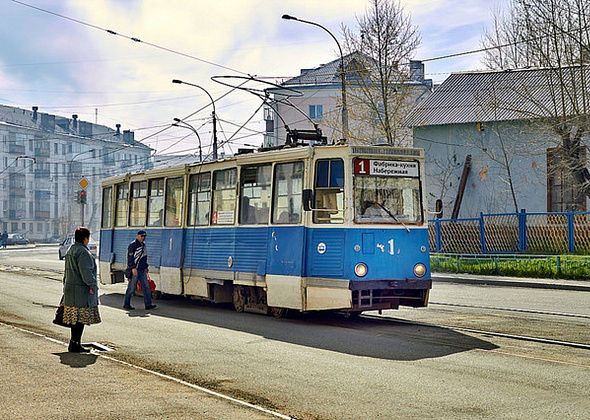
pixel 131 38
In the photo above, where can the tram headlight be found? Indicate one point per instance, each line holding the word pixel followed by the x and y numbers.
pixel 361 269
pixel 419 270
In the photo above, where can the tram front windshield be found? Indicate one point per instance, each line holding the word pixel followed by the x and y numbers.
pixel 387 199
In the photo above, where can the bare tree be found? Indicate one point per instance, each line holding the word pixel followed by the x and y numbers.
pixel 383 43
pixel 553 35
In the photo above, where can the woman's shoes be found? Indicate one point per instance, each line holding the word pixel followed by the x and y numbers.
pixel 76 347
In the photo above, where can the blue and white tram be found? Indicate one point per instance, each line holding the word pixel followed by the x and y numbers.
pixel 334 227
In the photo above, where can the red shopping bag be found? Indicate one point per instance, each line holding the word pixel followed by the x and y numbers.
pixel 151 283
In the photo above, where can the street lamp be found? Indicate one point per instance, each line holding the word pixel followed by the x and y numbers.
pixel 342 73
pixel 184 124
pixel 213 114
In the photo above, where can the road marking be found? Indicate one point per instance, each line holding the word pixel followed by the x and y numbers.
pixel 164 376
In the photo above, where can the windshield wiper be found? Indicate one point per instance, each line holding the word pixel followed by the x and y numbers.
pixel 392 215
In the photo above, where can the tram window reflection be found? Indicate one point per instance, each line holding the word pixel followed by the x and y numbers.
pixel 224 197
pixel 138 203
pixel 156 202
pixel 329 191
pixel 288 187
pixel 174 201
pixel 121 205
pixel 255 194
pixel 107 210
pixel 199 194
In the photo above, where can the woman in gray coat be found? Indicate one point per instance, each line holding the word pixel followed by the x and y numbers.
pixel 80 289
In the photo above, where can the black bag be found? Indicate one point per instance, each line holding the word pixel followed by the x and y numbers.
pixel 128 273
pixel 59 315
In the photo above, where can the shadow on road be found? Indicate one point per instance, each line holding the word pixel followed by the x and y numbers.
pixel 367 337
pixel 76 360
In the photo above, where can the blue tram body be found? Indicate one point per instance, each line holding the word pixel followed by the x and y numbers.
pixel 353 264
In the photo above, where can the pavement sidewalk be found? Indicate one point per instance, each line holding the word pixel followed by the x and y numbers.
pixel 557 284
pixel 41 380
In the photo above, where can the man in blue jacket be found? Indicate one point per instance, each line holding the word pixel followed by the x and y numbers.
pixel 137 268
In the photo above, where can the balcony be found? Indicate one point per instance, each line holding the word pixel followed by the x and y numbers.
pixel 42 173
pixel 42 152
pixel 16 148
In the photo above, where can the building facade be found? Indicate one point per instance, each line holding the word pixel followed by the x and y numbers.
pixel 491 145
pixel 43 158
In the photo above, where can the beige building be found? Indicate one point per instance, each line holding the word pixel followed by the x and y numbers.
pixel 314 98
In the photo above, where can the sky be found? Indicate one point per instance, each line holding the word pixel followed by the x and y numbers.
pixel 66 68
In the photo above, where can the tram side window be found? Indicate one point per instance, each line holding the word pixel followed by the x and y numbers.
pixel 121 209
pixel 199 194
pixel 288 186
pixel 255 195
pixel 138 207
pixel 174 201
pixel 329 191
pixel 156 202
pixel 224 197
pixel 107 207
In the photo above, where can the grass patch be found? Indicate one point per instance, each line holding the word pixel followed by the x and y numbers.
pixel 559 266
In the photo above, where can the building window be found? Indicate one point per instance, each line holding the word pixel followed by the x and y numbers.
pixel 563 192
pixel 199 195
pixel 156 202
pixel 255 195
pixel 316 111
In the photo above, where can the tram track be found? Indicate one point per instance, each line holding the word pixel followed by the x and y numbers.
pixel 541 340
pixel 499 308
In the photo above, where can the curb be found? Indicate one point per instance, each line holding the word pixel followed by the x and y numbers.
pixel 512 283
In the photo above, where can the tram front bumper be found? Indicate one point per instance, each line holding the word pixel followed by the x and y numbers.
pixel 389 294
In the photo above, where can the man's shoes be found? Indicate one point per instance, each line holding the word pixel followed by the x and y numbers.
pixel 128 307
pixel 147 308
pixel 76 347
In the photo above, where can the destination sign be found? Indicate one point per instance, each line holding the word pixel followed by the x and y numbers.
pixel 386 168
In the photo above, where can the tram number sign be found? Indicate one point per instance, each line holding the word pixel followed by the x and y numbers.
pixel 385 168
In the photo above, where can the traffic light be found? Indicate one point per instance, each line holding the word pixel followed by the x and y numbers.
pixel 82 196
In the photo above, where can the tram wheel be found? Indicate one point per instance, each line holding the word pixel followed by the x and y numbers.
pixel 238 299
pixel 277 312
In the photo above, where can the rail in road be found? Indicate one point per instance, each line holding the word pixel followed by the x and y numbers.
pixel 485 332
pixel 497 308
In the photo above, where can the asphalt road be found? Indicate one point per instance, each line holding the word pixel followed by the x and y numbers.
pixel 323 366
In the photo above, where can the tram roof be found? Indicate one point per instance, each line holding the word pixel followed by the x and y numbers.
pixel 264 156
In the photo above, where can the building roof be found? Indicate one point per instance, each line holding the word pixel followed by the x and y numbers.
pixel 324 74
pixel 502 96
pixel 44 122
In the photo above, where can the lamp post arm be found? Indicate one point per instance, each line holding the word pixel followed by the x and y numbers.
pixel 342 73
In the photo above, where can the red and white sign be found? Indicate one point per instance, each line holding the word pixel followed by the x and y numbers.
pixel 386 168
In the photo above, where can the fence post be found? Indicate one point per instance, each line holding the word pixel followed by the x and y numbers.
pixel 437 238
pixel 571 245
pixel 482 234
pixel 522 245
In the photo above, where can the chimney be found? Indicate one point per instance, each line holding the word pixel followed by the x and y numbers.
pixel 75 122
pixel 35 109
pixel 416 71
pixel 118 133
